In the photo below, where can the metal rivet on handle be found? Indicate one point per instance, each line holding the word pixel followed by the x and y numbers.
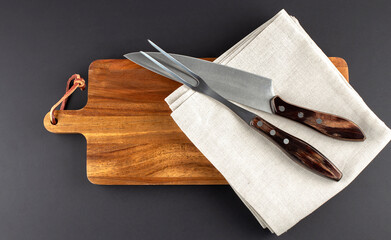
pixel 286 141
pixel 300 115
pixel 259 123
pixel 319 121
pixel 273 132
pixel 281 108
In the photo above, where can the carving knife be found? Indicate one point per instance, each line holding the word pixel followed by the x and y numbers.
pixel 252 90
pixel 295 148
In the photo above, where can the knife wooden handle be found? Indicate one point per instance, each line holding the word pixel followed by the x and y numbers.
pixel 297 149
pixel 328 124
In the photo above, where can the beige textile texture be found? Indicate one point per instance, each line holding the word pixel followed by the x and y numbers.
pixel 276 190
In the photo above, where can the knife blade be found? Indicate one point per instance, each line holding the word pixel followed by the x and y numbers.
pixel 254 91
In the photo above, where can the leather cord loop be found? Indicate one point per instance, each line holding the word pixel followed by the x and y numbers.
pixel 78 82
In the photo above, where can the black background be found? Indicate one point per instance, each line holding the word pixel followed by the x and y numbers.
pixel 44 191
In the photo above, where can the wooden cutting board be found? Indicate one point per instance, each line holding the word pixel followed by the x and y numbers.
pixel 131 138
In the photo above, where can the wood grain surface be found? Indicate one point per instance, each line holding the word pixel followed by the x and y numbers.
pixel 328 124
pixel 298 150
pixel 131 138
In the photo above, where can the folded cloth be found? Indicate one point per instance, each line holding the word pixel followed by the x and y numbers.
pixel 276 190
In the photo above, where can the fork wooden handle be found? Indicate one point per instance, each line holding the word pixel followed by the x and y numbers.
pixel 297 149
pixel 328 124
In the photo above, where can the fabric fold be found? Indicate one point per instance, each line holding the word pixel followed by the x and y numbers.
pixel 276 190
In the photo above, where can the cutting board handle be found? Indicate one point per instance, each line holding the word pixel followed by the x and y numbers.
pixel 51 119
pixel 69 121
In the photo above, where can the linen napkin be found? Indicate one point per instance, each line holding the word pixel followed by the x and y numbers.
pixel 276 190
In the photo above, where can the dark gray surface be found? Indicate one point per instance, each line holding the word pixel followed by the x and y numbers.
pixel 44 192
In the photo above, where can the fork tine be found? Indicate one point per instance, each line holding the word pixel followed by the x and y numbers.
pixel 168 71
pixel 188 70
